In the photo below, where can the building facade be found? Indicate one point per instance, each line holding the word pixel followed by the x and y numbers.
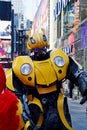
pixel 42 17
pixel 70 27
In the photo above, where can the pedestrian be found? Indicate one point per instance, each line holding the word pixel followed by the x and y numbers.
pixel 71 86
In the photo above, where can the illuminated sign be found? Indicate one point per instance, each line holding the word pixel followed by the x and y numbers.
pixel 5 48
pixel 59 6
pixel 5 39
pixel 5 29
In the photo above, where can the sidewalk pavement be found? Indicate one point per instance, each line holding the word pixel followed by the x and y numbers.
pixel 78 114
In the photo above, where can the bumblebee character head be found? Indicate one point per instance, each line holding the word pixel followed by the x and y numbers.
pixel 38 40
pixel 37 43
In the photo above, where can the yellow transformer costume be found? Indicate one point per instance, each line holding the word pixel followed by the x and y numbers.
pixel 37 81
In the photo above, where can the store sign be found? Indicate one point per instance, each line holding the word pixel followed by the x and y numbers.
pixel 59 6
pixel 68 49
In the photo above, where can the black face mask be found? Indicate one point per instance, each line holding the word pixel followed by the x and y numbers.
pixel 40 54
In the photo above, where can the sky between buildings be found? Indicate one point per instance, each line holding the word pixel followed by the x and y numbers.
pixel 30 8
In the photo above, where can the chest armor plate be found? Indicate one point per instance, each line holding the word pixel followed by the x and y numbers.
pixel 44 72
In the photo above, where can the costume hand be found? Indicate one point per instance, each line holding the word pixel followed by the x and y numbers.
pixel 83 100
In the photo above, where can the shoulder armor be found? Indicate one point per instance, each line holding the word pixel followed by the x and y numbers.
pixel 60 62
pixel 23 68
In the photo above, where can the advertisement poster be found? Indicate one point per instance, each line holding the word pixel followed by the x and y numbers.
pixel 5 39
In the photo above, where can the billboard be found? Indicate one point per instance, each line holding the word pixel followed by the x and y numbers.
pixel 5 30
pixel 5 10
pixel 5 48
pixel 5 39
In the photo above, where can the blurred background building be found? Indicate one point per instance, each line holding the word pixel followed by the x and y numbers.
pixel 65 22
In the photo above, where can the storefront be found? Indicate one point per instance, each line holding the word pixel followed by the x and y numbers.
pixel 67 16
pixel 81 44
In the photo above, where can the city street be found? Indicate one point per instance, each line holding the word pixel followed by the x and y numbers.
pixel 78 114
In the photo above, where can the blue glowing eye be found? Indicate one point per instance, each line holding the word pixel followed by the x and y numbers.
pixel 36 49
pixel 32 40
